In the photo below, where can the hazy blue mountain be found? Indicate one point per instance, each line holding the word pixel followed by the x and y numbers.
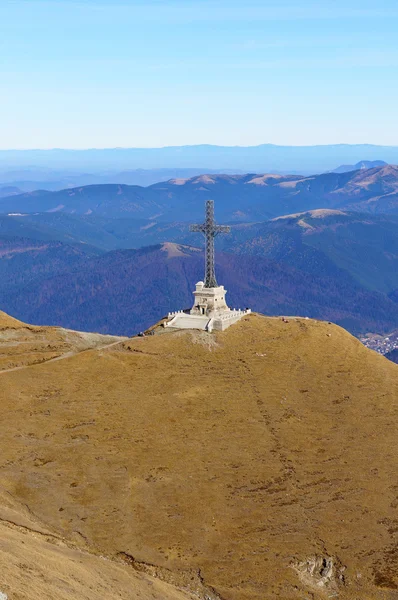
pixel 323 240
pixel 248 197
pixel 146 177
pixel 106 200
pixel 110 293
pixel 394 295
pixel 363 164
pixel 30 173
pixel 51 185
pixel 392 355
pixel 31 180
pixel 9 190
pixel 76 230
pixel 92 231
pixel 23 261
pixel 260 159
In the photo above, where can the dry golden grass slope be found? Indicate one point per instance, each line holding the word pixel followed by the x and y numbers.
pixel 23 345
pixel 36 564
pixel 9 322
pixel 257 463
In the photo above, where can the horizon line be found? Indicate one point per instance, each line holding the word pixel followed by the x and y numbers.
pixel 102 148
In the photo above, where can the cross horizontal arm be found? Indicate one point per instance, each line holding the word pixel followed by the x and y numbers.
pixel 197 228
pixel 222 229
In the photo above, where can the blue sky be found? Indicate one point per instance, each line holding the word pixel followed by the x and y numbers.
pixel 95 73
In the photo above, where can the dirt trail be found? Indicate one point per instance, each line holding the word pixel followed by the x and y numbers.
pixel 62 357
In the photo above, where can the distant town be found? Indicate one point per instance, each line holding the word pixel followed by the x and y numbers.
pixel 380 343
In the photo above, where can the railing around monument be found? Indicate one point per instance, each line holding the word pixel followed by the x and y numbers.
pixel 233 314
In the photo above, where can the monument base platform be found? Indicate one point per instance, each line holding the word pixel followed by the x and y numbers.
pixel 218 322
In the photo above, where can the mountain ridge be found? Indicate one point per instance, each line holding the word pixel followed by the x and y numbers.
pixel 363 164
pixel 244 197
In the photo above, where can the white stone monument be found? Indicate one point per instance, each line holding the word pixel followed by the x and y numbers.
pixel 210 311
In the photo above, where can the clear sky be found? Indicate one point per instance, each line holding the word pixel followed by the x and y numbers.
pixel 101 73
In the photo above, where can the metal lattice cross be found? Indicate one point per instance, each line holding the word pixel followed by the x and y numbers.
pixel 210 230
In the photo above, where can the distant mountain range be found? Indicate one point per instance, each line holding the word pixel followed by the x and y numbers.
pixel 325 264
pixel 363 164
pixel 238 197
pixel 29 180
pixel 325 246
pixel 260 159
pixel 9 190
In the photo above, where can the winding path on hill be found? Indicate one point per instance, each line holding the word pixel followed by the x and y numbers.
pixel 61 357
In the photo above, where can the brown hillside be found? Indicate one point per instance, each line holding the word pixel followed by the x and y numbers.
pixel 22 345
pixel 37 564
pixel 257 463
pixel 9 322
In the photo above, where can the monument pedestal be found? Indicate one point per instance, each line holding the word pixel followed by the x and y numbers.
pixel 209 301
pixel 209 312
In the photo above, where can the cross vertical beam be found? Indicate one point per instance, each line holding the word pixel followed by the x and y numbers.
pixel 210 231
